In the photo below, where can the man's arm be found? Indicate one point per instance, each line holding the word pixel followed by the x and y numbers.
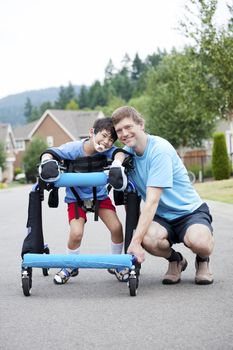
pixel 147 214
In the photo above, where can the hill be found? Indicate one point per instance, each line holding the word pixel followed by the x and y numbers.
pixel 12 106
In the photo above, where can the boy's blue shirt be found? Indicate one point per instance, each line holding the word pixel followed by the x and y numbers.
pixel 71 151
pixel 160 166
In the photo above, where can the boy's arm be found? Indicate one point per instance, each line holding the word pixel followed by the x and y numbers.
pixel 48 169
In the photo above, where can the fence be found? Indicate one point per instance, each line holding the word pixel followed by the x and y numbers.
pixel 200 164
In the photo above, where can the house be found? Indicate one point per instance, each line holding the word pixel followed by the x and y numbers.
pixel 55 127
pixel 8 141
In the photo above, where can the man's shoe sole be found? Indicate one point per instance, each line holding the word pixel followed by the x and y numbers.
pixel 203 282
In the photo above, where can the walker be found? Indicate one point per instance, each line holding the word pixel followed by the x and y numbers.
pixel 36 254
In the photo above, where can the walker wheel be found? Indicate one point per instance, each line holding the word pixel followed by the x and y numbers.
pixel 133 285
pixel 46 270
pixel 27 281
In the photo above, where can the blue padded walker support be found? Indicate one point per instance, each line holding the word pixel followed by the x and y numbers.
pixel 82 179
pixel 78 261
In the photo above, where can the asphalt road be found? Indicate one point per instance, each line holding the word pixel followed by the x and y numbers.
pixel 94 310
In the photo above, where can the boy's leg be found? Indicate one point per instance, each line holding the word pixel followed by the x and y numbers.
pixel 74 242
pixel 111 220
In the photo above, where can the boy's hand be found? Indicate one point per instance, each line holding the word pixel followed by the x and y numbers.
pixel 117 177
pixel 49 170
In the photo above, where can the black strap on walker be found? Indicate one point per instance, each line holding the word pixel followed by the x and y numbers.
pixel 80 202
pixel 82 165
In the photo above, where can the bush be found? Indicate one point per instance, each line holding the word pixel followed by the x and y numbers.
pixel 17 171
pixel 32 158
pixel 220 160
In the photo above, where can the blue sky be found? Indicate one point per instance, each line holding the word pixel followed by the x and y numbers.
pixel 47 43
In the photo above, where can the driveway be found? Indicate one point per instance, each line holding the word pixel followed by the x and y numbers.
pixel 94 310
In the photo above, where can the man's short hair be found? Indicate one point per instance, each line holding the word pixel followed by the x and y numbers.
pixel 126 112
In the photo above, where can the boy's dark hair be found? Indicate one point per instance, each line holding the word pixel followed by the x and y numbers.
pixel 105 124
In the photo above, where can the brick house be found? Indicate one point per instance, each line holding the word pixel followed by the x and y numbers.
pixel 55 127
pixel 8 141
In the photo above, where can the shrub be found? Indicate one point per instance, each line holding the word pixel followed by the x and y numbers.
pixel 32 158
pixel 220 160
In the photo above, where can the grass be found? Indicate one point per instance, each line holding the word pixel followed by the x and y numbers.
pixel 220 191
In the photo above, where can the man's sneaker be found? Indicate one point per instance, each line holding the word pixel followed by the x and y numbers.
pixel 64 275
pixel 203 274
pixel 173 273
pixel 122 275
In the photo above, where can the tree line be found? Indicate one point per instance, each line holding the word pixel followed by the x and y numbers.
pixel 181 94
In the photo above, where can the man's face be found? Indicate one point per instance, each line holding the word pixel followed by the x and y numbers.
pixel 128 132
pixel 102 140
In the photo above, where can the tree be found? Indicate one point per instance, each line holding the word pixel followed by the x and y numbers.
pixel 28 109
pixel 214 46
pixel 109 70
pixel 44 106
pixel 182 108
pixel 96 95
pixel 72 105
pixel 2 156
pixel 141 104
pixel 83 99
pixel 137 68
pixel 32 158
pixel 220 160
pixel 66 94
pixel 113 103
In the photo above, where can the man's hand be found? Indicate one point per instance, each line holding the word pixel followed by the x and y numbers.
pixel 49 170
pixel 117 177
pixel 136 250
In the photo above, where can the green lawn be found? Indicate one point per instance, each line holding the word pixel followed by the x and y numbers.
pixel 220 191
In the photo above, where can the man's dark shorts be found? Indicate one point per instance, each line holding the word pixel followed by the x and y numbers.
pixel 177 228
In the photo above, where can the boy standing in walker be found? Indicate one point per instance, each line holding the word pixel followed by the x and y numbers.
pixel 80 199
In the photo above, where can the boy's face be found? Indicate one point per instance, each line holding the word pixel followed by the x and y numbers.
pixel 102 141
pixel 129 132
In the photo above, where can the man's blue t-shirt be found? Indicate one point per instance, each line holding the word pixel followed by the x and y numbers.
pixel 160 166
pixel 71 151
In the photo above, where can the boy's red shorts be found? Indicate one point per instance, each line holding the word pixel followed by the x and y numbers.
pixel 104 204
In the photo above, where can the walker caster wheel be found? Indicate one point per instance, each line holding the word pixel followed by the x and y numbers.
pixel 133 281
pixel 45 270
pixel 27 281
pixel 133 285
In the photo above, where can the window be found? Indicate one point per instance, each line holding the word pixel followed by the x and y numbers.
pixel 20 145
pixel 50 141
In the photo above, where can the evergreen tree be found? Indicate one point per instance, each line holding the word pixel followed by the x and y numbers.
pixel 137 68
pixel 28 109
pixel 220 160
pixel 66 94
pixel 44 106
pixel 83 99
pixel 96 95
pixel 109 70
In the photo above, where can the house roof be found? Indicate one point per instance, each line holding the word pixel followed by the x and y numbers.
pixel 75 123
pixel 22 132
